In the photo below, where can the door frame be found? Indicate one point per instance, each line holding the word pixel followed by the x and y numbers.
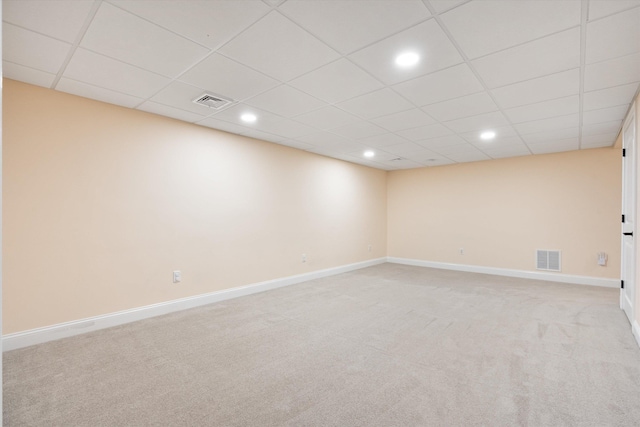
pixel 630 120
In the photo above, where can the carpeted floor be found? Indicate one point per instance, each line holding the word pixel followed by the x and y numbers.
pixel 389 345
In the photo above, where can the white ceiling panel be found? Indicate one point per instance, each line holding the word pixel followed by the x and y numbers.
pixel 263 136
pixel 226 77
pixel 554 123
pixel 465 106
pixel 544 110
pixel 483 27
pixel 557 85
pixel 443 5
pixel 233 114
pixel 503 134
pixel 441 142
pixel 425 132
pixel 548 55
pixel 347 26
pixel 285 101
pixel 24 47
pixel 214 123
pixel 601 8
pixel 98 93
pixel 27 74
pixel 375 104
pixel 327 118
pixel 550 136
pixel 555 146
pixel 601 129
pixel 108 73
pixel 181 95
pixel 453 149
pixel 480 122
pixel 165 110
pixel 404 120
pixel 609 97
pixel 291 50
pixel 359 130
pixel 383 140
pixel 615 72
pixel 616 35
pixel 210 23
pixel 426 40
pixel 60 19
pixel 474 155
pixel 336 82
pixel 440 86
pixel 324 139
pixel 499 153
pixel 600 140
pixel 296 144
pixel 499 144
pixel 405 149
pixel 155 49
pixel 285 128
pixel 604 115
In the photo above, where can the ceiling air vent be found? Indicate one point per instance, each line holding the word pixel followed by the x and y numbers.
pixel 548 260
pixel 213 101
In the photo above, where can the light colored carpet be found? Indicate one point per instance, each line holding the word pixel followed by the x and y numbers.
pixel 389 345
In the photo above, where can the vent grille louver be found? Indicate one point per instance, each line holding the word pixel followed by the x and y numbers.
pixel 213 101
pixel 548 260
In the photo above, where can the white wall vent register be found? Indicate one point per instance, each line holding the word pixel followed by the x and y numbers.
pixel 548 260
pixel 213 101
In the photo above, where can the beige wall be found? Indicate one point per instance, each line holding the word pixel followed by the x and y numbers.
pixel 102 203
pixel 501 211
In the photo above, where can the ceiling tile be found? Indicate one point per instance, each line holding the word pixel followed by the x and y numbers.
pixel 405 148
pixel 165 110
pixel 442 5
pixel 425 132
pixel 550 136
pixel 233 113
pixel 383 140
pixel 323 139
pixel 218 124
pixel 557 85
pixel 286 128
pixel 155 49
pixel 601 128
pixel 614 72
pixel 609 97
pixel 438 143
pixel 347 26
pixel 554 123
pixel 601 8
pixel 499 153
pixel 465 106
pixel 544 110
pixel 440 86
pixel 181 95
pixel 400 164
pixel 427 40
pixel 551 54
pixel 404 120
pixel 291 50
pixel 478 123
pixel 375 104
pixel 327 118
pixel 24 47
pixel 499 143
pixel 455 149
pixel 474 155
pixel 614 36
pixel 262 136
pixel 336 82
pixel 483 27
pixel 555 146
pixel 98 93
pixel 61 19
pixel 285 101
pixel 296 144
pixel 601 140
pixel 210 23
pixel 26 74
pixel 350 147
pixel 604 115
pixel 505 133
pixel 359 130
pixel 228 78
pixel 105 72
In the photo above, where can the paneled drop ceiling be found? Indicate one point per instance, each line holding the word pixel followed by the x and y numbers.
pixel 544 75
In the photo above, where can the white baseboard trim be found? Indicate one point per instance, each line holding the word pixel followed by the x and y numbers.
pixel 636 331
pixel 551 277
pixel 77 327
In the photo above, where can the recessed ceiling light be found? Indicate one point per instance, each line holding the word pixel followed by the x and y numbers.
pixel 369 153
pixel 487 135
pixel 407 59
pixel 248 117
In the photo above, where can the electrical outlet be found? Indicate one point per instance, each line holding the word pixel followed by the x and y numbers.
pixel 461 251
pixel 370 248
pixel 177 276
pixel 304 257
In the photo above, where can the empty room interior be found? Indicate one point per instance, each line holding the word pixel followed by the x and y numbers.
pixel 320 212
